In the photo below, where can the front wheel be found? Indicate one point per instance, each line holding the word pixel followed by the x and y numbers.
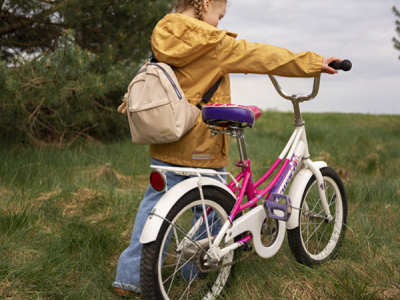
pixel 316 239
pixel 170 265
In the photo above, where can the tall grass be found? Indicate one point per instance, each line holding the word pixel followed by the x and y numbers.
pixel 67 214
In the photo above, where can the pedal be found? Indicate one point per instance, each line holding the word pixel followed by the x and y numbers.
pixel 273 204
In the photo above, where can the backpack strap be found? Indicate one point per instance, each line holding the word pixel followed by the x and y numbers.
pixel 207 96
pixel 153 58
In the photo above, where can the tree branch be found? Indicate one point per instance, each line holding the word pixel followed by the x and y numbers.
pixel 14 27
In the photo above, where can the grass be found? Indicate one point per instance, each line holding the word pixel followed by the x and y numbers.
pixel 67 214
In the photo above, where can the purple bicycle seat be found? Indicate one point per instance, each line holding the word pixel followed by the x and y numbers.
pixel 225 115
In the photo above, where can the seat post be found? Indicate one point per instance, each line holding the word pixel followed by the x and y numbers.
pixel 239 134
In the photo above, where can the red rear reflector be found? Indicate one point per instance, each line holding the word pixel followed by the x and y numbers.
pixel 157 181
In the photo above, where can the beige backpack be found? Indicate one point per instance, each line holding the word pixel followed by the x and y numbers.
pixel 157 109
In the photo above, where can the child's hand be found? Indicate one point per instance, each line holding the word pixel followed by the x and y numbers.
pixel 327 69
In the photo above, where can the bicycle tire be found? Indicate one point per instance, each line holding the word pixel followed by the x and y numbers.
pixel 316 240
pixel 168 274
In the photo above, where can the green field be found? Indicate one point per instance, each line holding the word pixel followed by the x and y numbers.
pixel 66 214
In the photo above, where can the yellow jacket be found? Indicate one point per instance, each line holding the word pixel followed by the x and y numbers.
pixel 201 54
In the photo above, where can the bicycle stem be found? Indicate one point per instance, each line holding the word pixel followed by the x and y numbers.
pixel 298 119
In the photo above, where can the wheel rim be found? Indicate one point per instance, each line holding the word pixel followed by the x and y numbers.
pixel 320 237
pixel 177 275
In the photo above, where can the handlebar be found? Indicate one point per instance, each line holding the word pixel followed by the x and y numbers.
pixel 300 96
pixel 344 65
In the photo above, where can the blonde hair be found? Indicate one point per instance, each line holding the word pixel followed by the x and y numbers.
pixel 181 5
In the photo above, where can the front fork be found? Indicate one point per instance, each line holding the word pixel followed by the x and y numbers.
pixel 321 187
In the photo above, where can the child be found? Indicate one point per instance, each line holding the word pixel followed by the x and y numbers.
pixel 200 53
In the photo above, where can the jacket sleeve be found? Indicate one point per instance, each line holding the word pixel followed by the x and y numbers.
pixel 241 56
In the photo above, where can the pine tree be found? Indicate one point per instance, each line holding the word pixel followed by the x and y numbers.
pixel 396 41
pixel 32 26
pixel 67 64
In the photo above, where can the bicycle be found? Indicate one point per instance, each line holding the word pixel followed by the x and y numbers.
pixel 193 235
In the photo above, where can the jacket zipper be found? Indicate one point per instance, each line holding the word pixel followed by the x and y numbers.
pixel 169 78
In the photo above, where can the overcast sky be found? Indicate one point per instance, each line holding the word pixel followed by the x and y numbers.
pixel 359 30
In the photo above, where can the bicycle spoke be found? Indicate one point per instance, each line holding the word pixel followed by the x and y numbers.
pixel 173 275
pixel 176 236
pixel 319 240
pixel 313 232
pixel 318 235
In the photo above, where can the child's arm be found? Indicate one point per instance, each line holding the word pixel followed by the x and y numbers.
pixel 241 56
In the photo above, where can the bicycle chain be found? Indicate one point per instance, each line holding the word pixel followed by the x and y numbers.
pixel 200 268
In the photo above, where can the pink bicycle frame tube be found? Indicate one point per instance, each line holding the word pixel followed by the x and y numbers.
pixel 253 194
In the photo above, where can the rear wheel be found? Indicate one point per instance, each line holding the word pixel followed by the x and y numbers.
pixel 316 239
pixel 175 266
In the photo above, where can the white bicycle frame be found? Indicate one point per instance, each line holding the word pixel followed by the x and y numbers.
pixel 298 170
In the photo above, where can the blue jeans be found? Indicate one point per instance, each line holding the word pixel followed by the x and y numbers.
pixel 128 268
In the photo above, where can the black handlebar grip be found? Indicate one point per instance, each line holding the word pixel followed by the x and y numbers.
pixel 344 65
